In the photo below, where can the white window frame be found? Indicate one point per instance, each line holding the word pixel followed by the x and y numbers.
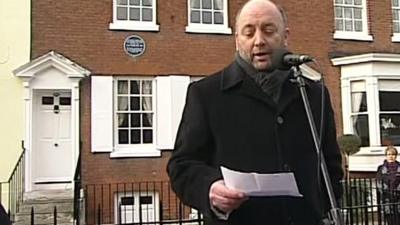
pixel 209 28
pixel 169 95
pixel 396 36
pixel 134 25
pixel 135 210
pixel 128 150
pixel 353 35
pixel 370 68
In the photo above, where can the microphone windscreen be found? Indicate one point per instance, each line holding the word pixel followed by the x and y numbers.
pixel 277 59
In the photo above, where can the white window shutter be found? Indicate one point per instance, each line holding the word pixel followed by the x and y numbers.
pixel 102 113
pixel 171 95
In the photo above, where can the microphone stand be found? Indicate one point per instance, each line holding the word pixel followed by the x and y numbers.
pixel 335 214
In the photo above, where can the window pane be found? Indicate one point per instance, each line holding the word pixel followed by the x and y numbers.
pixel 359 102
pixel 206 4
pixel 135 103
pixel 357 14
pixel 134 2
pixel 122 13
pixel 395 3
pixel 127 200
pixel 147 103
pixel 47 100
pixel 218 18
pixel 147 14
pixel 339 24
pixel 135 137
pixel 348 25
pixel 389 101
pixel 348 1
pixel 134 87
pixel 206 17
pixel 358 26
pixel 338 1
pixel 195 16
pixel 147 119
pixel 395 14
pixel 123 137
pixel 122 103
pixel 348 13
pixel 339 12
pixel 146 87
pixel 122 2
pixel 147 136
pixel 357 2
pixel 147 2
pixel 123 120
pixel 361 128
pixel 122 87
pixel 195 4
pixel 146 200
pixel 134 14
pixel 65 100
pixel 390 129
pixel 135 120
pixel 218 4
pixel 396 27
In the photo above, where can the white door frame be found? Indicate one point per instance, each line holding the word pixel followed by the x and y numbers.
pixel 48 72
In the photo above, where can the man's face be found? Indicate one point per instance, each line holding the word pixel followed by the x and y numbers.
pixel 259 30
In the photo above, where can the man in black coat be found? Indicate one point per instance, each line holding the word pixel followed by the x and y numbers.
pixel 4 219
pixel 250 117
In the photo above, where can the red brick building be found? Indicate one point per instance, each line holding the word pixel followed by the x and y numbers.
pixel 133 60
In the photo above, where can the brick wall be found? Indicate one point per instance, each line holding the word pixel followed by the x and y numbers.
pixel 79 30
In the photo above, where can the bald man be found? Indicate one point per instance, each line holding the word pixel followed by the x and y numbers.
pixel 250 117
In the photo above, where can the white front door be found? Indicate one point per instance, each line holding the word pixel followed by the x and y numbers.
pixel 52 149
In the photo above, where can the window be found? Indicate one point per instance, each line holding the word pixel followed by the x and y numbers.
pixel 351 20
pixel 128 206
pixel 208 16
pixel 359 111
pixel 136 116
pixel 134 15
pixel 389 111
pixel 396 20
pixel 370 100
pixel 134 112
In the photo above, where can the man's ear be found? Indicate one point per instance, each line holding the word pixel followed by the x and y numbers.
pixel 286 36
pixel 236 41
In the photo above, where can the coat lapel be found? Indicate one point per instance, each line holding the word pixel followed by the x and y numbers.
pixel 234 76
pixel 290 92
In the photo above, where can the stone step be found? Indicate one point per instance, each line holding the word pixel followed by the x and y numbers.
pixel 47 207
pixel 48 196
pixel 43 218
pixel 43 203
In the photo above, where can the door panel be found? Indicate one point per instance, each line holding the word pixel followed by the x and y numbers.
pixel 52 143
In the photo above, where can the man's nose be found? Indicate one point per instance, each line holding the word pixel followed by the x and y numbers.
pixel 259 38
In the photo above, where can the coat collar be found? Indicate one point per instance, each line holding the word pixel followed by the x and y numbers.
pixel 233 76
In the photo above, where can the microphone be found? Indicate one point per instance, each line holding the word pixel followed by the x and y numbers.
pixel 283 59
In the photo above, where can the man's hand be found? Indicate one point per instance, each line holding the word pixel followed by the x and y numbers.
pixel 225 199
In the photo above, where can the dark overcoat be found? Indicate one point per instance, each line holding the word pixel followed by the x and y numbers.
pixel 229 121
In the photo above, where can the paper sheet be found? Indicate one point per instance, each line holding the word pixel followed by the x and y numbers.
pixel 256 184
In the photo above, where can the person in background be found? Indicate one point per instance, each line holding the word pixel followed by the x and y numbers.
pixel 4 219
pixel 388 182
pixel 250 117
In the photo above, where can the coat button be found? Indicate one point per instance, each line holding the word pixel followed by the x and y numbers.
pixel 279 119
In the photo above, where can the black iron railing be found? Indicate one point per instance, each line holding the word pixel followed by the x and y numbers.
pixel 15 186
pixel 77 192
pixel 155 203
pixel 136 203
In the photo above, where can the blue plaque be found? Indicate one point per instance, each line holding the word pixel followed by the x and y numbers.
pixel 134 45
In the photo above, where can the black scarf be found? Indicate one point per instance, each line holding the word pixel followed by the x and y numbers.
pixel 269 81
